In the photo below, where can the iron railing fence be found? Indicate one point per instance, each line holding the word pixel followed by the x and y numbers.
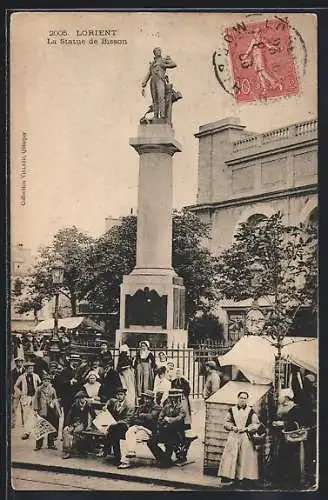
pixel 191 360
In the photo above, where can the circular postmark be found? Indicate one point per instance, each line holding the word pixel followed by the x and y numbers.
pixel 260 58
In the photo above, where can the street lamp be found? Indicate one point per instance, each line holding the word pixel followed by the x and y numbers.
pixel 255 319
pixel 57 279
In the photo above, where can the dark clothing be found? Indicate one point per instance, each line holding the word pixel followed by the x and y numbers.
pixel 81 372
pixel 123 361
pixel 105 359
pixel 78 415
pixel 65 390
pixel 182 383
pixel 147 415
pixel 110 382
pixel 287 467
pixel 56 382
pixel 145 372
pixel 78 420
pixel 41 366
pixel 30 385
pixel 171 433
pixel 122 413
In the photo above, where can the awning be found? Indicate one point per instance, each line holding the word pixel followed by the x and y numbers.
pixel 68 323
pixel 303 354
pixel 254 356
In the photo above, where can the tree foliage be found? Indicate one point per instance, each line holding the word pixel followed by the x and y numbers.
pixel 71 246
pixel 288 256
pixel 94 268
pixel 114 255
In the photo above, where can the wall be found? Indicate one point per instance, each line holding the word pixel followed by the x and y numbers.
pixel 241 173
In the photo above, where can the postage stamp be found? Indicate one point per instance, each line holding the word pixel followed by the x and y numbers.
pixel 261 60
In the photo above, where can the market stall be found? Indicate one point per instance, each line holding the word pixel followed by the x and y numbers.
pixel 254 358
pixel 216 409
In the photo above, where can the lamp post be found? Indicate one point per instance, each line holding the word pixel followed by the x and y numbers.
pixel 57 279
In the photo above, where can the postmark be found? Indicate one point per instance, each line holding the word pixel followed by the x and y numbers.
pixel 260 60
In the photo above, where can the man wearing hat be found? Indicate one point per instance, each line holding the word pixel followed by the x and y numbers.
pixel 69 383
pixel 28 345
pixel 46 405
pixel 213 381
pixel 122 412
pixel 79 418
pixel 15 396
pixel 25 386
pixel 142 426
pixel 170 429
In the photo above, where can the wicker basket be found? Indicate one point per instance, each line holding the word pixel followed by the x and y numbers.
pixel 296 436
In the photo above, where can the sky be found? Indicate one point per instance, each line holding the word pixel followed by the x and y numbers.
pixel 74 107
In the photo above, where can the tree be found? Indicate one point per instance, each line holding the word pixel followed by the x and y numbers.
pixel 192 260
pixel 109 258
pixel 289 277
pixel 70 245
pixel 114 255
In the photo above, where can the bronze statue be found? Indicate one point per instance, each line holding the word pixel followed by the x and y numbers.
pixel 162 92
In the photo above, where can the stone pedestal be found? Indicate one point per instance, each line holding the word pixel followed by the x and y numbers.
pixel 153 296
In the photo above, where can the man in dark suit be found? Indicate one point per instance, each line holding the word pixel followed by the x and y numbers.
pixel 15 373
pixel 68 383
pixel 122 412
pixel 110 382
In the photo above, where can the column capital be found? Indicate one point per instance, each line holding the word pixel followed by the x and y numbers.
pixel 168 148
pixel 155 138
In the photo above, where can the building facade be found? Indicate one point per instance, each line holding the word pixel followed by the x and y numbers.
pixel 242 174
pixel 22 262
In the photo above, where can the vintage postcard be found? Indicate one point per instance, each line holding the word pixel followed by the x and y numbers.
pixel 163 246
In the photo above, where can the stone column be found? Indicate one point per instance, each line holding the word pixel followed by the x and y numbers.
pixel 156 146
pixel 153 279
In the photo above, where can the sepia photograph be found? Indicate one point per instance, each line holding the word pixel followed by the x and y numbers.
pixel 163 251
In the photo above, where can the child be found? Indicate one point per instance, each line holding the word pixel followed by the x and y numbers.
pixel 46 405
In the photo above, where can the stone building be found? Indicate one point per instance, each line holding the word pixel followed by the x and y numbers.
pixel 243 175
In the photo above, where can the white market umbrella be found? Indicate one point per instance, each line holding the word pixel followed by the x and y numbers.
pixel 254 356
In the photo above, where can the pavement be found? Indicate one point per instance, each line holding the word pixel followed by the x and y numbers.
pixel 143 469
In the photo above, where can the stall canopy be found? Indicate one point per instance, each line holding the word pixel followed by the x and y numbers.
pixel 303 354
pixel 68 323
pixel 254 356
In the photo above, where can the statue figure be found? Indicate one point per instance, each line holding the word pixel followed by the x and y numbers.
pixel 162 92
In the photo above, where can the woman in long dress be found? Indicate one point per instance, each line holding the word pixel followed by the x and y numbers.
pixel 145 368
pixel 289 463
pixel 239 460
pixel 126 374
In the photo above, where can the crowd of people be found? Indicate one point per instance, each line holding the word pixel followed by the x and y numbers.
pixel 148 398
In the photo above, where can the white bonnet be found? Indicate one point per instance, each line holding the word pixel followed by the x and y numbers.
pixel 286 393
